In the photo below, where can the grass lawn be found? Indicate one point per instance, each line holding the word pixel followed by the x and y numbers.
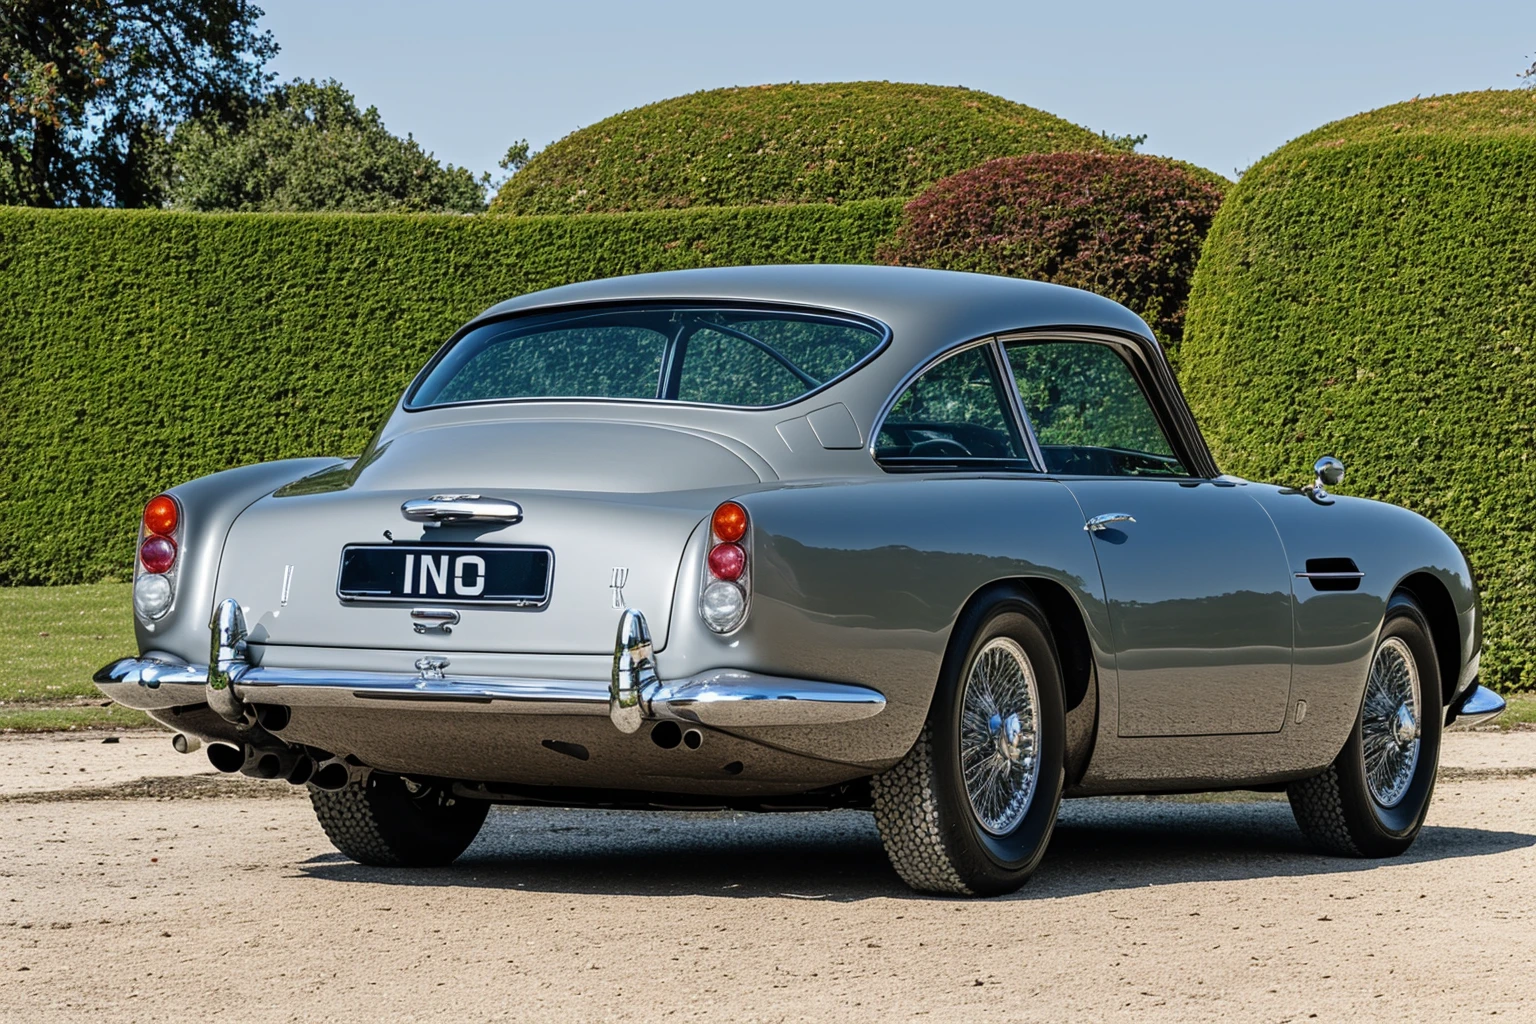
pixel 51 640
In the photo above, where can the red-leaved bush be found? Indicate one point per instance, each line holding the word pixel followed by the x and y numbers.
pixel 1123 225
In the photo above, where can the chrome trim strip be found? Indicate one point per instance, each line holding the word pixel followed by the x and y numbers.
pixel 730 698
pixel 1330 575
pixel 1026 426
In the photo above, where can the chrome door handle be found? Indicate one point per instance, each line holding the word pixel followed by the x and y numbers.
pixel 1100 523
pixel 461 508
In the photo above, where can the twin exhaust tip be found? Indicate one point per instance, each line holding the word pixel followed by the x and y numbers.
pixel 292 766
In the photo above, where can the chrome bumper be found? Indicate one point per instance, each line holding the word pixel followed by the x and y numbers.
pixel 1478 706
pixel 725 698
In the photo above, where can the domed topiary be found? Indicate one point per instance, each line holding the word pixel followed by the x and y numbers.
pixel 1123 225
pixel 1367 292
pixel 769 144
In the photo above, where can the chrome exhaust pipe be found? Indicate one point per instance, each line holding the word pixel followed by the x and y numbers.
pixel 225 758
pixel 331 776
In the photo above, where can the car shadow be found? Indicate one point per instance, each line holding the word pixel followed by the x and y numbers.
pixel 1100 844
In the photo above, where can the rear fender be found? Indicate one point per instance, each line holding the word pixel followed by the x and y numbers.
pixel 864 583
pixel 209 506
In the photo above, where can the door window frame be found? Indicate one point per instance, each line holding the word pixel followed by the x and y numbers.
pixel 1010 402
pixel 1152 377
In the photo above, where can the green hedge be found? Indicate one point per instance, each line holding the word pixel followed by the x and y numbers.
pixel 1367 291
pixel 141 349
pixel 793 143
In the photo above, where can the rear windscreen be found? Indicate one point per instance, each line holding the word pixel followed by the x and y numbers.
pixel 713 356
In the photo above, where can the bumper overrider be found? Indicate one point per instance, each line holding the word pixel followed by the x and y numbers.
pixel 633 695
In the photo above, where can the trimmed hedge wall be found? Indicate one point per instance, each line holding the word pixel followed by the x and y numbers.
pixel 781 144
pixel 1123 225
pixel 1367 291
pixel 139 349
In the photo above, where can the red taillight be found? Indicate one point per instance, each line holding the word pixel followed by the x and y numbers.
pixel 157 553
pixel 729 522
pixel 725 591
pixel 726 561
pixel 161 515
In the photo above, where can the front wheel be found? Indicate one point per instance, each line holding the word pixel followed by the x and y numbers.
pixel 1372 800
pixel 387 821
pixel 971 807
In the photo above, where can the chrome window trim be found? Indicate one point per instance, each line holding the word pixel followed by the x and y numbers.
pixel 878 327
pixel 1020 413
pixel 1010 410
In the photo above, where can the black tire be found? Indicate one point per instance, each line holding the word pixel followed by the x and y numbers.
pixel 382 823
pixel 1336 809
pixel 933 836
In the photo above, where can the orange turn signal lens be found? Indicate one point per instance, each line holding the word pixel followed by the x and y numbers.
pixel 730 522
pixel 161 515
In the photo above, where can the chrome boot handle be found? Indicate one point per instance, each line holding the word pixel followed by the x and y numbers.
pixel 461 508
pixel 440 620
pixel 1098 524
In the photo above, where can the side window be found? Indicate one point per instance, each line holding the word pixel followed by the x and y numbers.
pixel 1088 411
pixel 954 413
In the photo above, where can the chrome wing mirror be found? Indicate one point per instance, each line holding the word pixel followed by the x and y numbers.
pixel 1329 472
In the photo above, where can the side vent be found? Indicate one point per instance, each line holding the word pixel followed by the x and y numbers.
pixel 1332 574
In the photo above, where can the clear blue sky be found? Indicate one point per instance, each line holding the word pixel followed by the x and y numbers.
pixel 1220 84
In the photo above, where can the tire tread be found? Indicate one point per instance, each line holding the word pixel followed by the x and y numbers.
pixel 1318 805
pixel 350 824
pixel 907 816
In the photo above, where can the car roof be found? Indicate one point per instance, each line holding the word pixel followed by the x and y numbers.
pixel 927 310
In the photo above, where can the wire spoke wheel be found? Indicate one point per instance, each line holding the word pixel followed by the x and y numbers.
pixel 1390 723
pixel 1000 736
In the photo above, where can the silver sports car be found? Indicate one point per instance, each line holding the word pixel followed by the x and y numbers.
pixel 944 546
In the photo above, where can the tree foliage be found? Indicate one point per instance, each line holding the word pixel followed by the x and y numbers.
pixel 768 144
pixel 87 88
pixel 306 147
pixel 1120 224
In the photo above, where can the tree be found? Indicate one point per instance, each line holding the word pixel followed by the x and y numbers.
pixel 1529 74
pixel 306 147
pixel 1124 225
pixel 87 88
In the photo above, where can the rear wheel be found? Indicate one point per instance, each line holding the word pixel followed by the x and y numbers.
pixel 1372 800
pixel 971 807
pixel 385 821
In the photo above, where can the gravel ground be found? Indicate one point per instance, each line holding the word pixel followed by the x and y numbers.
pixel 144 888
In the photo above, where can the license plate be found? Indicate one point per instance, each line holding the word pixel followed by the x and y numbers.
pixel 441 572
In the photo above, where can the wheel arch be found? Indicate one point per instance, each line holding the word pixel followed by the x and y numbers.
pixel 1074 651
pixel 1434 600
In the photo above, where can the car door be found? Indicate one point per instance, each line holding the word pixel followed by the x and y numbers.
pixel 1195 574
